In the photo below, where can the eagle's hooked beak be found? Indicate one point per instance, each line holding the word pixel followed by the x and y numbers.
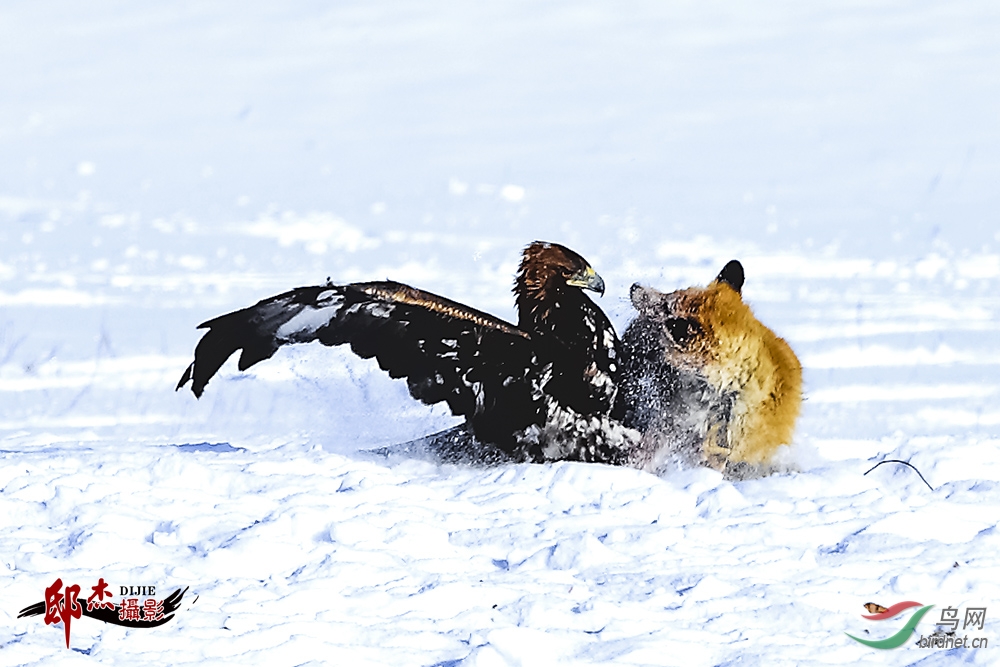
pixel 587 279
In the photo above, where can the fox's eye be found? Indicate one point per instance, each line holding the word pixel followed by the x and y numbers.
pixel 682 329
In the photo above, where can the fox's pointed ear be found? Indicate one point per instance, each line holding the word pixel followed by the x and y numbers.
pixel 732 275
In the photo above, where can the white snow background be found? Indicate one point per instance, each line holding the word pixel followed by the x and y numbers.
pixel 162 163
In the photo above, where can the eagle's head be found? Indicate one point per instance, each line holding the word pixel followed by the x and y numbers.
pixel 546 271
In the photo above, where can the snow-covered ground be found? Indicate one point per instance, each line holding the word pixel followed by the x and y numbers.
pixel 161 164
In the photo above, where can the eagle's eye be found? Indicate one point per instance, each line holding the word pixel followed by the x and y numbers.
pixel 681 329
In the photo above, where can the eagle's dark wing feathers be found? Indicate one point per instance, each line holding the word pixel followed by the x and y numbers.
pixel 539 391
pixel 446 351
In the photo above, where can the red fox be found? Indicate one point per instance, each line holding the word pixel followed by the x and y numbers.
pixel 705 382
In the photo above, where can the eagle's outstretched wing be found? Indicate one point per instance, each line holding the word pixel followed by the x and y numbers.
pixel 445 350
pixel 538 391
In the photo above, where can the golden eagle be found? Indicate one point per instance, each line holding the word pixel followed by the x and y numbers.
pixel 539 391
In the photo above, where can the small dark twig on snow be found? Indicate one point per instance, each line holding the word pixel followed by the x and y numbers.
pixel 905 463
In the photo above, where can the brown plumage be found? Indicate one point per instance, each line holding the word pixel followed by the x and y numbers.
pixel 541 390
pixel 545 270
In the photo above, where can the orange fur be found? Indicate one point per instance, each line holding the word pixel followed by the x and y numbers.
pixel 738 354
